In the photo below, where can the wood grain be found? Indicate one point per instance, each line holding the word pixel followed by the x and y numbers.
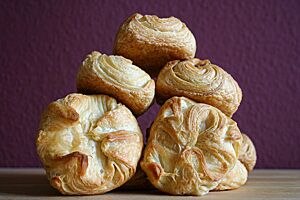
pixel 21 183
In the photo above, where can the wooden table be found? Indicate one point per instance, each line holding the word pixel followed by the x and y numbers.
pixel 262 184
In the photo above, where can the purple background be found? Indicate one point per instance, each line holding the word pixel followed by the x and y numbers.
pixel 44 42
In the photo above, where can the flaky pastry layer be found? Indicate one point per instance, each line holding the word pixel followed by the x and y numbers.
pixel 201 81
pixel 248 153
pixel 150 41
pixel 239 174
pixel 235 178
pixel 88 144
pixel 191 147
pixel 118 77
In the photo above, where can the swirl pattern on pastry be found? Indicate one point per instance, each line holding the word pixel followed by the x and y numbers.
pixel 191 147
pixel 88 144
pixel 201 81
pixel 150 41
pixel 118 77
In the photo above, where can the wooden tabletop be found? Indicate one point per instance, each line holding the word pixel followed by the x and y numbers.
pixel 262 184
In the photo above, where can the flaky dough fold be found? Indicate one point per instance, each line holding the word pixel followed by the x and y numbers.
pixel 88 144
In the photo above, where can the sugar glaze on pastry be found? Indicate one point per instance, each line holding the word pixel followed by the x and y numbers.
pixel 88 144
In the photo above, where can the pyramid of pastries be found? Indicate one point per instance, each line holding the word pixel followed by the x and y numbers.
pixel 90 142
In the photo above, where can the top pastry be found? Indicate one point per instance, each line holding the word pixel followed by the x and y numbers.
pixel 118 77
pixel 150 42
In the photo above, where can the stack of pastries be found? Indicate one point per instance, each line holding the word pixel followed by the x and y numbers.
pixel 90 142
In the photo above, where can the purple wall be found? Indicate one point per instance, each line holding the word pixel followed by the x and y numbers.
pixel 44 42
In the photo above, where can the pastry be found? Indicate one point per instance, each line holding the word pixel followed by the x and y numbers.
pixel 88 144
pixel 238 175
pixel 118 77
pixel 200 81
pixel 247 153
pixel 235 178
pixel 150 42
pixel 191 147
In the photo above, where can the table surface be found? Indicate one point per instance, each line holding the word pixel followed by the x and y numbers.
pixel 19 183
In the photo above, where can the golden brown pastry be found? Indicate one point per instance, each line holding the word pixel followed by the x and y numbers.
pixel 201 81
pixel 88 144
pixel 238 175
pixel 247 153
pixel 118 77
pixel 150 42
pixel 235 178
pixel 191 147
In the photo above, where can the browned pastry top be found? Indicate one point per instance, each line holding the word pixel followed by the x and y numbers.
pixel 150 41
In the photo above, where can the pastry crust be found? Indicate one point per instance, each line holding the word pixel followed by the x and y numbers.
pixel 235 178
pixel 238 175
pixel 88 144
pixel 248 153
pixel 150 42
pixel 191 147
pixel 118 77
pixel 201 81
